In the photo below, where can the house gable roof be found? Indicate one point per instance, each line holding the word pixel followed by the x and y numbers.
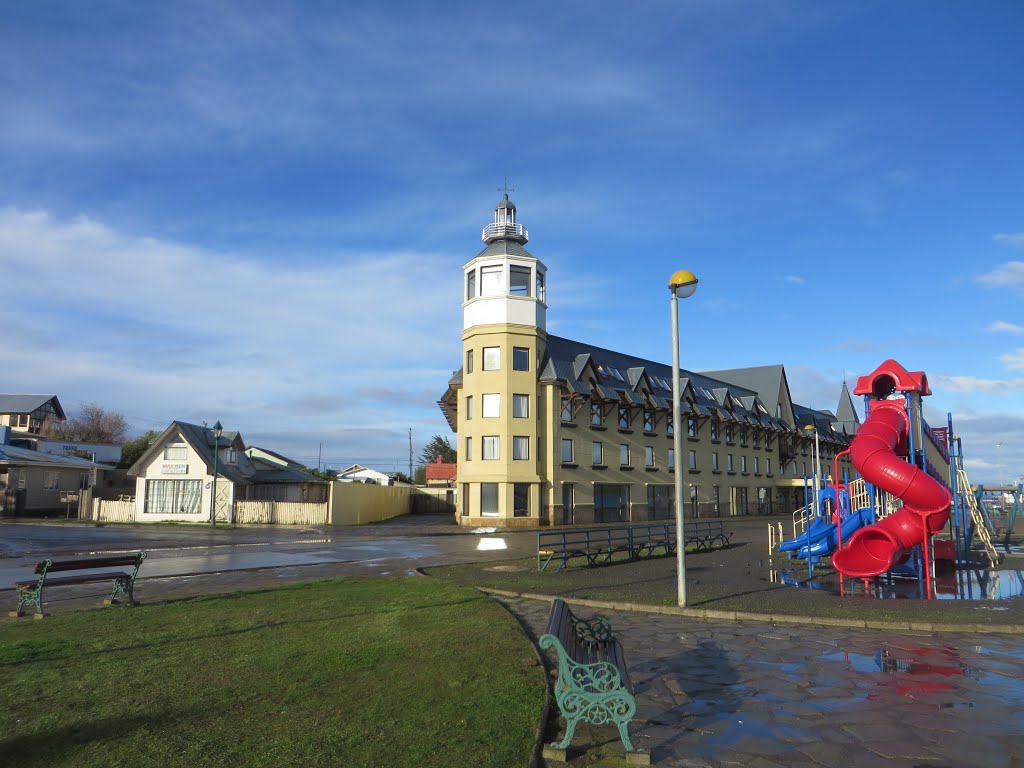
pixel 29 403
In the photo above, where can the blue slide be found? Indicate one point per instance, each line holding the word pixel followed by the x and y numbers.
pixel 824 535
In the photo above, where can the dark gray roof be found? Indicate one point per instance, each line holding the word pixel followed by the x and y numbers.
pixel 10 454
pixel 28 403
pixel 505 203
pixel 505 247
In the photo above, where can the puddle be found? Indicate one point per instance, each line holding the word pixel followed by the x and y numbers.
pixel 964 584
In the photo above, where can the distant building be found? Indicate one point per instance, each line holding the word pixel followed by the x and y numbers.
pixel 174 477
pixel 357 473
pixel 101 452
pixel 555 431
pixel 441 474
pixel 37 483
pixel 28 416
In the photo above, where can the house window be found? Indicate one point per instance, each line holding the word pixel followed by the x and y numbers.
pixel 175 451
pixel 471 285
pixel 469 449
pixel 567 451
pixel 489 499
pixel 691 427
pixel 51 481
pixel 519 281
pixel 598 452
pixel 757 465
pixel 611 503
pixel 520 358
pixel 469 361
pixel 728 433
pixel 566 409
pixel 714 461
pixel 491 281
pixel 693 459
pixel 714 430
pixel 469 407
pixel 624 454
pixel 728 463
pixel 492 406
pixel 660 502
pixel 648 455
pixel 521 499
pixel 520 448
pixel 492 358
pixel 743 464
pixel 490 447
pixel 173 497
pixel 757 439
pixel 623 417
pixel 648 421
pixel 596 414
pixel 520 406
pixel 540 286
pixel 768 442
pixel 767 466
pixel 669 426
pixel 671 459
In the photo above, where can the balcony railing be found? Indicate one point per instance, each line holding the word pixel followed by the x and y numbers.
pixel 494 231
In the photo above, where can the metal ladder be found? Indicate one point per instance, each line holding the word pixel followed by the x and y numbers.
pixel 981 523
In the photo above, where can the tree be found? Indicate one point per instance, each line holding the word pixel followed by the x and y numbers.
pixel 132 450
pixel 438 446
pixel 93 425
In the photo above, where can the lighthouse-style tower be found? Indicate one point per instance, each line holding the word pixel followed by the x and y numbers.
pixel 503 340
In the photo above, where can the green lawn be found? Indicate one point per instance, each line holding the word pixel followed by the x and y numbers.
pixel 352 672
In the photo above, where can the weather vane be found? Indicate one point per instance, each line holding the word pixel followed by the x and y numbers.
pixel 506 188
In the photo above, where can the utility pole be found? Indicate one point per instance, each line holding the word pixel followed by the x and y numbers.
pixel 410 454
pixel 319 457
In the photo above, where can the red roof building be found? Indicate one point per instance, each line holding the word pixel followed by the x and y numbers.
pixel 440 474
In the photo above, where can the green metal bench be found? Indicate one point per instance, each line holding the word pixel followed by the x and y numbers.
pixel 30 592
pixel 592 684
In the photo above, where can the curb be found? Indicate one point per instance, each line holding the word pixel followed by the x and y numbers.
pixel 771 618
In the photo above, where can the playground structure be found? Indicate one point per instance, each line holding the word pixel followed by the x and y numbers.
pixel 911 487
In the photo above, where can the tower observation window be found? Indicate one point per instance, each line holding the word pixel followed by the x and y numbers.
pixel 520 281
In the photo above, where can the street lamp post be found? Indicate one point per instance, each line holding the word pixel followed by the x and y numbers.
pixel 682 284
pixel 217 431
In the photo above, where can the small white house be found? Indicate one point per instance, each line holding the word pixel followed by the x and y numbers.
pixel 174 478
pixel 357 473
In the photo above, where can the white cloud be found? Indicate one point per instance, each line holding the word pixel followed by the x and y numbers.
pixel 975 384
pixel 794 279
pixel 1014 361
pixel 1010 273
pixel 1000 326
pixel 1015 239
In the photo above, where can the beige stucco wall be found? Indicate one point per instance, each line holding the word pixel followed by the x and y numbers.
pixel 358 503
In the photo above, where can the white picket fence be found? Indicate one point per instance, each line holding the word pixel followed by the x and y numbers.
pixel 280 513
pixel 113 511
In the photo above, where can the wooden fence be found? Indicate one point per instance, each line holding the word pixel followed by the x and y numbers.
pixel 108 511
pixel 280 513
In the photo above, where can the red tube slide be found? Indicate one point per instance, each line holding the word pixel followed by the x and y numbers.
pixel 877 548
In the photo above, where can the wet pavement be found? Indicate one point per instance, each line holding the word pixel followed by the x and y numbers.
pixel 730 693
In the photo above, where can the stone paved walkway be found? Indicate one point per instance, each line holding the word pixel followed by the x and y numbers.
pixel 722 694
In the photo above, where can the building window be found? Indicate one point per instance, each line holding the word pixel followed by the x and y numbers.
pixel 566 409
pixel 648 421
pixel 671 459
pixel 520 406
pixel 173 497
pixel 520 358
pixel 768 442
pixel 757 439
pixel 623 417
pixel 598 451
pixel 767 466
pixel 175 451
pixel 490 447
pixel 520 499
pixel 728 433
pixel 743 464
pixel 648 455
pixel 567 451
pixel 596 414
pixel 492 358
pixel 489 499
pixel 757 465
pixel 669 426
pixel 691 427
pixel 469 407
pixel 492 406
pixel 714 430
pixel 469 361
pixel 693 459
pixel 51 481
pixel 519 281
pixel 660 502
pixel 520 448
pixel 469 449
pixel 611 503
pixel 491 282
pixel 540 286
pixel 718 499
pixel 624 455
pixel 714 461
pixel 471 285
pixel 728 463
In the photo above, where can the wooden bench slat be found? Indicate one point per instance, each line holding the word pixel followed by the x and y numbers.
pixel 123 583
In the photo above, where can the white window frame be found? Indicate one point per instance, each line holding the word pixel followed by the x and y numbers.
pixel 492 448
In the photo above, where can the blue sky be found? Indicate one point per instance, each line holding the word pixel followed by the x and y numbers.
pixel 258 212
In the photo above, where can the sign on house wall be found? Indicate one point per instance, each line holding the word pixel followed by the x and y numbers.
pixel 174 468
